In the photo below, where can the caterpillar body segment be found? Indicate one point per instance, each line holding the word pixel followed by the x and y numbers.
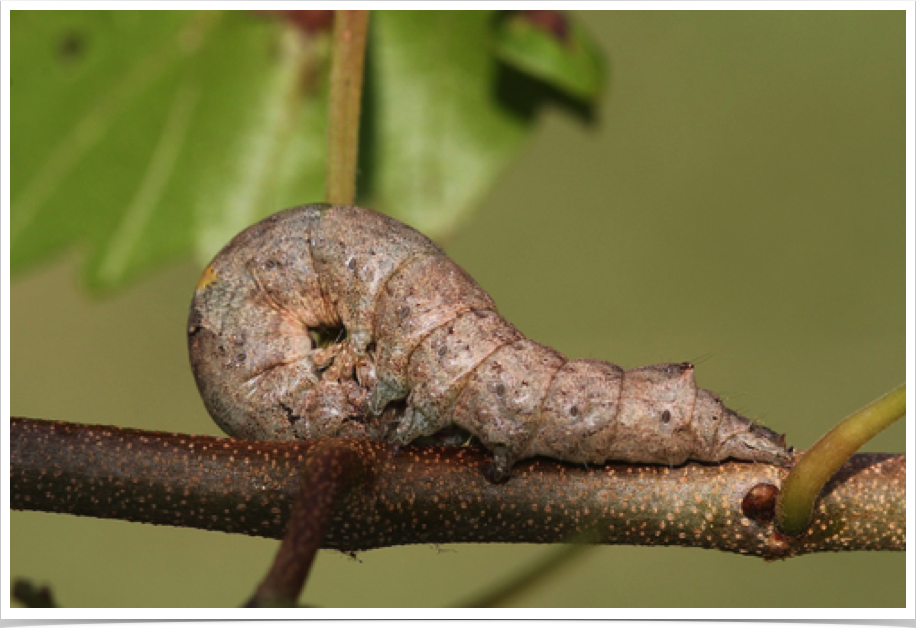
pixel 315 321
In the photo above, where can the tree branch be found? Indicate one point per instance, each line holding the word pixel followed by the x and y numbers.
pixel 424 495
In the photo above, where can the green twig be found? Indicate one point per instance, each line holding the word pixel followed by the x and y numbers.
pixel 812 471
pixel 348 55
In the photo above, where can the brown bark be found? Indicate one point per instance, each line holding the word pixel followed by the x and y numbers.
pixel 439 494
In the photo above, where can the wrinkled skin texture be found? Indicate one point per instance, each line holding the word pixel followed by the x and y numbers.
pixel 324 321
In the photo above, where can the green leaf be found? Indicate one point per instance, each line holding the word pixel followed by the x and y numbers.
pixel 440 132
pixel 146 135
pixel 554 48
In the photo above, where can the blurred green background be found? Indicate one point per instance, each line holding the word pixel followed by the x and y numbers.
pixel 739 203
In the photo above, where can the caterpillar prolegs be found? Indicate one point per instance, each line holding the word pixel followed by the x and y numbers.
pixel 331 320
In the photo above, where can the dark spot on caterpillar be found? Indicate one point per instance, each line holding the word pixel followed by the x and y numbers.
pixel 193 330
pixel 500 390
pixel 403 312
pixel 442 351
pixel 370 348
pixel 574 412
pixel 241 357
pixel 666 416
pixel 715 418
pixel 291 416
pixel 352 263
pixel 759 503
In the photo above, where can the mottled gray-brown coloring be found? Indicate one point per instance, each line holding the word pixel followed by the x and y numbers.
pixel 320 320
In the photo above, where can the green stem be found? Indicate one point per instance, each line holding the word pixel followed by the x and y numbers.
pixel 348 55
pixel 812 471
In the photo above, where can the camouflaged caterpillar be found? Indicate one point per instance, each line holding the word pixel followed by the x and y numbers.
pixel 331 320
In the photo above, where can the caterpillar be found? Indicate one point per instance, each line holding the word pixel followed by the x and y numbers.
pixel 337 321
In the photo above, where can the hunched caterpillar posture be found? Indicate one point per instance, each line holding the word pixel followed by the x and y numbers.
pixel 319 320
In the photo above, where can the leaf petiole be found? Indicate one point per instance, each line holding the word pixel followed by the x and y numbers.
pixel 812 471
pixel 347 60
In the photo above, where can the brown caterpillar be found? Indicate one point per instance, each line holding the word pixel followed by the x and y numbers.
pixel 314 321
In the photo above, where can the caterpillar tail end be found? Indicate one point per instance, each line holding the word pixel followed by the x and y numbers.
pixel 757 443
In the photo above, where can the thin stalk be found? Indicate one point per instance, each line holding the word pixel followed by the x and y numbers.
pixel 530 577
pixel 795 505
pixel 328 469
pixel 347 58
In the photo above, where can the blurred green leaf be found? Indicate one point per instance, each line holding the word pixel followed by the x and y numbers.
pixel 145 135
pixel 441 132
pixel 552 47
